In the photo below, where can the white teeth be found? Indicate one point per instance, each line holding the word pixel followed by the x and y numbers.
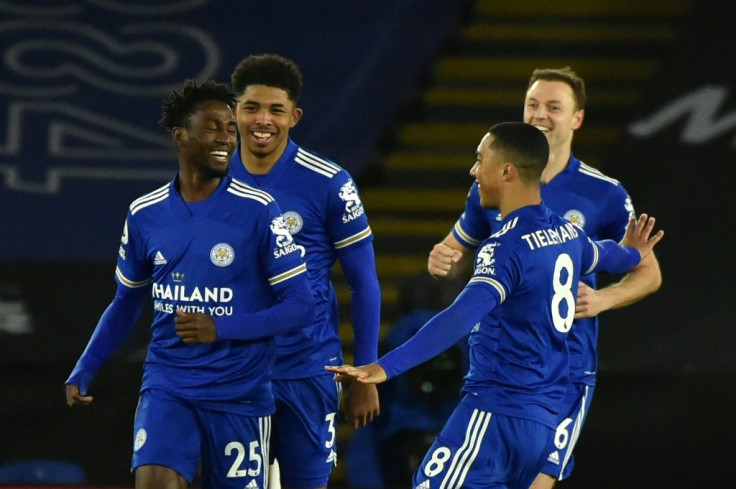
pixel 219 154
pixel 262 135
pixel 542 128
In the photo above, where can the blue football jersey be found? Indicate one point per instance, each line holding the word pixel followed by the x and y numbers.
pixel 324 213
pixel 586 197
pixel 518 353
pixel 223 256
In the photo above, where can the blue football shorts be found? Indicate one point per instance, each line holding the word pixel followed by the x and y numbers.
pixel 175 433
pixel 304 437
pixel 479 449
pixel 573 413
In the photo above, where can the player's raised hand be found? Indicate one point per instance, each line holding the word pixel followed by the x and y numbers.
pixel 74 397
pixel 195 327
pixel 638 235
pixel 442 259
pixel 367 374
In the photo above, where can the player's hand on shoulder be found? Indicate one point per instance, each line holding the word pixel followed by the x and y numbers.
pixel 195 327
pixel 74 397
pixel 639 235
pixel 367 374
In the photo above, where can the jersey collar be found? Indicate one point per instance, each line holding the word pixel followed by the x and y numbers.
pixel 282 166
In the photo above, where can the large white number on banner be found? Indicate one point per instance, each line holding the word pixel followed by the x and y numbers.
pixel 563 292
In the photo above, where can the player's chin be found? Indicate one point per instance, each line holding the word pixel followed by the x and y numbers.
pixel 217 170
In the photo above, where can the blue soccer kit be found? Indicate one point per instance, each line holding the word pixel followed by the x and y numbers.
pixel 518 308
pixel 231 257
pixel 602 207
pixel 325 216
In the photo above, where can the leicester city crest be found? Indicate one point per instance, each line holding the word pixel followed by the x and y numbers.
pixel 293 221
pixel 222 254
pixel 576 217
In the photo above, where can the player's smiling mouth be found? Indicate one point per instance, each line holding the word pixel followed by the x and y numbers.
pixel 220 155
pixel 262 136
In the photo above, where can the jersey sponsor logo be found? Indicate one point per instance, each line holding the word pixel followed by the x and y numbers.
pixel 222 254
pixel 168 299
pixel 159 259
pixel 294 222
pixel 548 237
pixel 284 242
pixel 183 293
pixel 485 260
pixel 353 205
pixel 140 439
pixel 423 485
pixel 576 217
pixel 252 485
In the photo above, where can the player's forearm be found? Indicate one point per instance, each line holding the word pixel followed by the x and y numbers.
pixel 294 310
pixel 359 266
pixel 366 323
pixel 642 280
pixel 441 332
pixel 111 331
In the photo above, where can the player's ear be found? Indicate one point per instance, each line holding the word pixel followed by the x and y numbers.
pixel 577 119
pixel 177 134
pixel 508 170
pixel 296 114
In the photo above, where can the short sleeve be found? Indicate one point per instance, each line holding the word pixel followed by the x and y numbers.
pixel 133 267
pixel 475 223
pixel 347 223
pixel 497 267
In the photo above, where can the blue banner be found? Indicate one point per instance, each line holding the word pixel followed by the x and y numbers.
pixel 81 84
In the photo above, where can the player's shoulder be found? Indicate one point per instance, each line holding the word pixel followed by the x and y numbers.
pixel 593 175
pixel 151 199
pixel 241 190
pixel 315 166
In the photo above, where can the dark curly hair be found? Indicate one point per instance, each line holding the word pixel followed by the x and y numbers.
pixel 271 70
pixel 179 105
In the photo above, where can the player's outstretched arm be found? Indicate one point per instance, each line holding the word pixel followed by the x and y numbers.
pixel 642 280
pixel 448 258
pixel 366 374
pixel 111 331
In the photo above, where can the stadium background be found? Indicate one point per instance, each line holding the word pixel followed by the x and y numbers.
pixel 399 94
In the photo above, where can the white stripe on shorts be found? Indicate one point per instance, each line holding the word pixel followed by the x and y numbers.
pixel 265 428
pixel 465 456
pixel 575 433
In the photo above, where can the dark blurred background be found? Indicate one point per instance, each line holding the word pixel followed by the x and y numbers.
pixel 398 93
